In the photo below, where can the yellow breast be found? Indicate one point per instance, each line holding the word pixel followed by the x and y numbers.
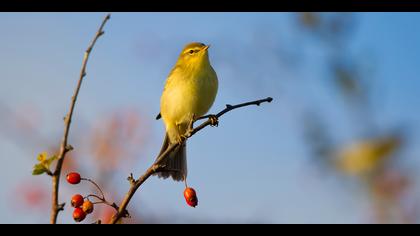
pixel 187 93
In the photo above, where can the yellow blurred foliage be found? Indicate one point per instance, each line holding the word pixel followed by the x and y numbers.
pixel 365 156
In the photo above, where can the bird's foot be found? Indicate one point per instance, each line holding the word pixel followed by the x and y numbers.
pixel 189 130
pixel 191 123
pixel 214 121
pixel 183 138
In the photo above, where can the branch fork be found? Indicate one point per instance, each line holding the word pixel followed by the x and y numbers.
pixel 154 168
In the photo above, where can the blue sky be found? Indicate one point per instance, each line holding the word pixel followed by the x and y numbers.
pixel 254 167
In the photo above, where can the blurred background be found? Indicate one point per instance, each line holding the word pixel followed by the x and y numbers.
pixel 339 143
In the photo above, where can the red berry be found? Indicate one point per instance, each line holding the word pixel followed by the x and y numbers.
pixel 73 178
pixel 79 215
pixel 191 197
pixel 87 207
pixel 77 200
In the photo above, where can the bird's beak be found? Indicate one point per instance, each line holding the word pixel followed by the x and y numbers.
pixel 206 47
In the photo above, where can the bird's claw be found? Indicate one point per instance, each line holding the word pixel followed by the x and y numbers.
pixel 214 121
pixel 182 139
pixel 189 130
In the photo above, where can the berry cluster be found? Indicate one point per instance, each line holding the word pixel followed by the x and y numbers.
pixel 82 205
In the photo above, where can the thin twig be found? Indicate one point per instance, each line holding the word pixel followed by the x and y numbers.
pixel 102 201
pixel 64 147
pixel 94 196
pixel 96 185
pixel 156 166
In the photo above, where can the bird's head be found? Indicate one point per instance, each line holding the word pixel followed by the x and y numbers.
pixel 194 54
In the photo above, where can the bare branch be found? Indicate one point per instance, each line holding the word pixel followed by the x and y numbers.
pixel 96 186
pixel 156 167
pixel 65 147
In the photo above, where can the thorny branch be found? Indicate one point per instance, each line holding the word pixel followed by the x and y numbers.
pixel 156 166
pixel 65 147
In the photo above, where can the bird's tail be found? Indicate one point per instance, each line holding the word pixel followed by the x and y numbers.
pixel 176 162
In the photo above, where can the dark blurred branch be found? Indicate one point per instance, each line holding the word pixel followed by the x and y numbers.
pixel 65 147
pixel 157 166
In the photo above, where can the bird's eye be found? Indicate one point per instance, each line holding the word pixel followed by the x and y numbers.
pixel 191 51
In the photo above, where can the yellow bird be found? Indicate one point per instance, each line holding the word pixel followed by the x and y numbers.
pixel 189 93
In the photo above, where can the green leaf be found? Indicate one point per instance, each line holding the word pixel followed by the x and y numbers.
pixel 43 164
pixel 39 169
